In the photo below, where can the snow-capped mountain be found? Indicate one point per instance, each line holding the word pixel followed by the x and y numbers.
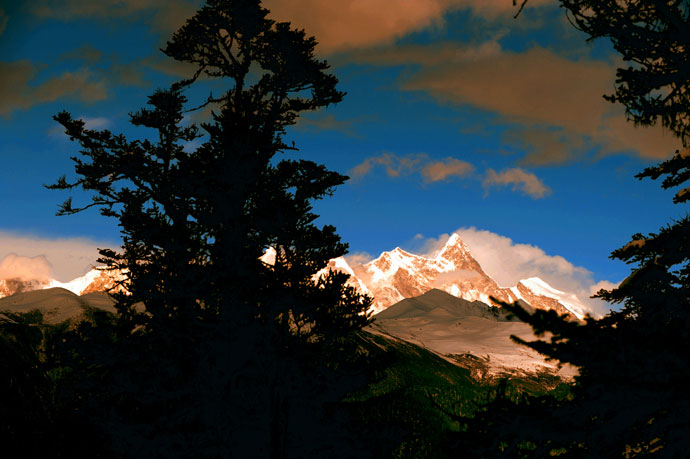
pixel 95 280
pixel 397 275
pixel 390 278
pixel 11 286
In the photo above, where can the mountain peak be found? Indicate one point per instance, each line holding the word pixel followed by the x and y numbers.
pixel 454 239
pixel 454 244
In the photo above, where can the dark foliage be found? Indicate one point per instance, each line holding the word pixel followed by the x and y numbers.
pixel 216 353
pixel 630 398
pixel 652 38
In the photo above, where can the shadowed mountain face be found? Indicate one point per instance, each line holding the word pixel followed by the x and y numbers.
pixel 436 320
pixel 437 303
pixel 461 329
pixel 56 304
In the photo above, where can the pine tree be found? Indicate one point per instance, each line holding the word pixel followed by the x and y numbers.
pixel 229 337
pixel 630 398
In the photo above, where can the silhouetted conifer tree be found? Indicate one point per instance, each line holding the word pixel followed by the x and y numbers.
pixel 217 352
pixel 630 398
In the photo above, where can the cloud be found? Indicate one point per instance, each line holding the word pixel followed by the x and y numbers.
pixel 96 123
pixel 168 15
pixel 327 123
pixel 414 163
pixel 4 19
pixel 554 98
pixel 508 262
pixel 358 24
pixel 604 284
pixel 394 165
pixel 169 66
pixel 17 93
pixel 37 268
pixel 86 53
pixel 450 167
pixel 459 275
pixel 358 258
pixel 69 257
pixel 545 146
pixel 519 180
pixel 493 9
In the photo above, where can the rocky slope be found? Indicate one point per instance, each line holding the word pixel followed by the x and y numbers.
pixel 462 330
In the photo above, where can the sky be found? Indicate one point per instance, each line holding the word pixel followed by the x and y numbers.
pixel 458 118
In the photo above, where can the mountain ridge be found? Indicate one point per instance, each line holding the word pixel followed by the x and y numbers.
pixel 390 278
pixel 397 274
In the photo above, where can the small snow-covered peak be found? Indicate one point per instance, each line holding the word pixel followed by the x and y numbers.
pixel 341 264
pixel 453 245
pixel 456 255
pixel 539 287
pixel 78 285
pixel 454 239
pixel 269 256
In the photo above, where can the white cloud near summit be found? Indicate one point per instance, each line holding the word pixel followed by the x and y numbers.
pixel 507 262
pixel 35 257
pixel 25 268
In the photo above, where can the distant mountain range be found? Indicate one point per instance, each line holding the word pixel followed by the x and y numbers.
pixel 95 280
pixel 397 275
pixel 440 303
pixel 390 278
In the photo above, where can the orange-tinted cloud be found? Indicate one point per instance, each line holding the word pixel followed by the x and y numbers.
pixel 65 259
pixel 25 268
pixel 545 146
pixel 416 163
pixel 558 99
pixel 327 122
pixel 4 19
pixel 351 24
pixel 17 94
pixel 493 9
pixel 168 15
pixel 519 180
pixel 437 171
pixel 355 24
pixel 394 165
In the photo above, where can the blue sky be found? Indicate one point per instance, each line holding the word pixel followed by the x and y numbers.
pixel 457 116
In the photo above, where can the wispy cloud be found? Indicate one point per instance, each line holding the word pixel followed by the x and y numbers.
pixel 328 122
pixel 444 169
pixel 394 165
pixel 417 163
pixel 17 93
pixel 85 53
pixel 552 100
pixel 357 24
pixel 546 146
pixel 168 15
pixel 4 19
pixel 519 180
